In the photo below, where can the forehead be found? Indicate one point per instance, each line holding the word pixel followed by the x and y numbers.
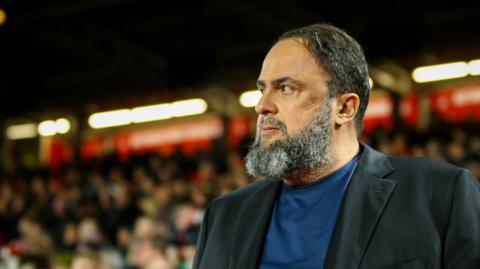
pixel 290 58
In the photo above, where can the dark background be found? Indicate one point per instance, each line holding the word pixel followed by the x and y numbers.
pixel 68 54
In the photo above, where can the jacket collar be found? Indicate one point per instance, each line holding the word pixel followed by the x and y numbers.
pixel 364 202
pixel 252 225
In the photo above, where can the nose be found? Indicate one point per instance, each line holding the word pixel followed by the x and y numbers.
pixel 266 105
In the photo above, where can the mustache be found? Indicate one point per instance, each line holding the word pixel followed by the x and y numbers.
pixel 273 122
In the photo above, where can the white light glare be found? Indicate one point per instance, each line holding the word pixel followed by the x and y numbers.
pixel 370 81
pixel 22 131
pixel 47 128
pixel 440 72
pixel 110 118
pixel 147 113
pixel 62 125
pixel 250 98
pixel 151 113
pixel 188 107
pixel 50 127
pixel 474 67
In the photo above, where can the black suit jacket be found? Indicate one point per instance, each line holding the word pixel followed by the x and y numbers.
pixel 398 212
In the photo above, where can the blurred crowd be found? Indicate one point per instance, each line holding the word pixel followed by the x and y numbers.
pixel 108 214
pixel 145 213
pixel 454 143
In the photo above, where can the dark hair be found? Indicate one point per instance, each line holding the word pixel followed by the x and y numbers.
pixel 343 59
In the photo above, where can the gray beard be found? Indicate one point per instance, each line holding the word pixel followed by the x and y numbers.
pixel 293 156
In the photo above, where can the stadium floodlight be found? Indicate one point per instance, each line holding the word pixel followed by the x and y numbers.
pixel 151 113
pixel 47 128
pixel 50 127
pixel 147 113
pixel 474 67
pixel 21 131
pixel 188 107
pixel 440 72
pixel 250 98
pixel 62 125
pixel 110 118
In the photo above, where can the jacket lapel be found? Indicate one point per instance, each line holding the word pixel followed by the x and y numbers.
pixel 363 205
pixel 252 226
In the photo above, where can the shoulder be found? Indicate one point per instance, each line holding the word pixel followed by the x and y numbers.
pixel 424 162
pixel 411 172
pixel 429 173
pixel 406 169
pixel 424 166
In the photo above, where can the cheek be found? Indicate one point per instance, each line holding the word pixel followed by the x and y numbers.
pixel 300 121
pixel 295 123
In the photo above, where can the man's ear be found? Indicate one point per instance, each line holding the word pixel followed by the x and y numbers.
pixel 346 107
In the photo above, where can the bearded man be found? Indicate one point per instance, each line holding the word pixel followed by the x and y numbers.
pixel 327 200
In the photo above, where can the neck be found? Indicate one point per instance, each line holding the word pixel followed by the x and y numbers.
pixel 342 153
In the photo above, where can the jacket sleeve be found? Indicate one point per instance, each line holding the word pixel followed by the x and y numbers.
pixel 462 238
pixel 201 240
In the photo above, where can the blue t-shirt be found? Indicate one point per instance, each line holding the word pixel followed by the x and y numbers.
pixel 303 220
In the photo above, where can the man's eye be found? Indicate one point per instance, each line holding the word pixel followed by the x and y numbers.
pixel 286 90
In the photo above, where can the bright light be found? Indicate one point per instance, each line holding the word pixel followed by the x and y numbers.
pixel 147 113
pixel 151 113
pixel 110 118
pixel 3 16
pixel 188 107
pixel 62 125
pixel 370 81
pixel 474 67
pixel 22 131
pixel 47 128
pixel 440 72
pixel 50 127
pixel 250 98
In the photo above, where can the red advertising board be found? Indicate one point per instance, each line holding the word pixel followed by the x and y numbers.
pixel 379 113
pixel 238 128
pixel 457 103
pixel 410 110
pixel 189 135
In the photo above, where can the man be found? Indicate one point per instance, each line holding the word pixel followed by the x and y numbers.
pixel 328 201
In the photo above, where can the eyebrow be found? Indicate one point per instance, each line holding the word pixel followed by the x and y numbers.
pixel 261 83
